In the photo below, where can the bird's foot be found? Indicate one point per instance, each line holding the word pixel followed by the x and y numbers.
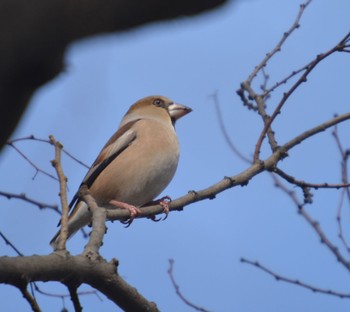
pixel 134 211
pixel 164 203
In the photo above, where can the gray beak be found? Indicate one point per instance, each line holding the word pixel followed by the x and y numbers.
pixel 176 111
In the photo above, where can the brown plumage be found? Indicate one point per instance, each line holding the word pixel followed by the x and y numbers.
pixel 137 162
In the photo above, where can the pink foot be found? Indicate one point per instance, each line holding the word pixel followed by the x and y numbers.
pixel 134 211
pixel 164 203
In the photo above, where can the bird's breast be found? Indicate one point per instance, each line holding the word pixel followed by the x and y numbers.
pixel 143 170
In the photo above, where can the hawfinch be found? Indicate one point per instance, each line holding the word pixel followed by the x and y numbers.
pixel 137 162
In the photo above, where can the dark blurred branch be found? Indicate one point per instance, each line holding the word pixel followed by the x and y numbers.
pixel 223 129
pixel 34 36
pixel 75 298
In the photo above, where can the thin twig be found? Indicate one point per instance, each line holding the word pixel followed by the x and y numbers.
pixel 285 80
pixel 34 138
pixel 228 140
pixel 302 184
pixel 322 127
pixel 37 169
pixel 177 289
pixel 345 154
pixel 344 175
pixel 264 84
pixel 62 296
pixel 37 203
pixel 279 45
pixel 297 282
pixel 8 242
pixel 339 221
pixel 338 48
pixel 31 300
pixel 314 224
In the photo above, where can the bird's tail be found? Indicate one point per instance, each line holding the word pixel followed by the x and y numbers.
pixel 79 217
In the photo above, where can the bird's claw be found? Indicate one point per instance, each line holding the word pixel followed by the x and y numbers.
pixel 164 203
pixel 134 211
pixel 154 219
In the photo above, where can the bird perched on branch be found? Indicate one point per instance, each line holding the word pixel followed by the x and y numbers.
pixel 136 164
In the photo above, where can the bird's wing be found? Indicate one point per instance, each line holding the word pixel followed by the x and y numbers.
pixel 118 143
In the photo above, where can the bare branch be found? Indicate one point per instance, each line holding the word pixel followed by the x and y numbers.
pixel 195 196
pixel 31 300
pixel 62 267
pixel 261 105
pixel 56 163
pixel 297 282
pixel 75 298
pixel 8 242
pixel 241 179
pixel 279 45
pixel 338 48
pixel 311 132
pixel 285 80
pixel 65 295
pixel 37 169
pixel 177 289
pixel 345 154
pixel 339 221
pixel 99 216
pixel 228 140
pixel 314 224
pixel 34 138
pixel 303 184
pixel 37 203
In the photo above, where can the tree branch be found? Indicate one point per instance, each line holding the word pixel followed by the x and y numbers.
pixel 314 224
pixel 35 202
pixel 279 45
pixel 75 298
pixel 56 163
pixel 99 216
pixel 303 184
pixel 31 300
pixel 68 269
pixel 297 282
pixel 177 289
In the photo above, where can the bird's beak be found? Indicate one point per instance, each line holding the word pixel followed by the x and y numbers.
pixel 176 111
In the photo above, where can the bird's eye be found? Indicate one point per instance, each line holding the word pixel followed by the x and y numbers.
pixel 158 102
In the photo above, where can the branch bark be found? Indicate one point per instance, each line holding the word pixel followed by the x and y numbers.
pixel 74 270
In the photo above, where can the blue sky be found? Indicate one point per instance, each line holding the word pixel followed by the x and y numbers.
pixel 188 60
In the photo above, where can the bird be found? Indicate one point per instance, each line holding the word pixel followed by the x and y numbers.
pixel 135 165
